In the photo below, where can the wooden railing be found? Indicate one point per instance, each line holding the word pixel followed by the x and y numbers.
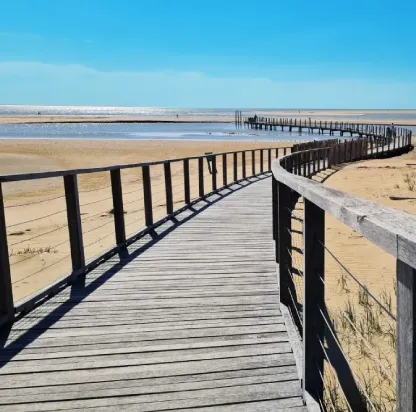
pixel 360 129
pixel 212 173
pixel 303 290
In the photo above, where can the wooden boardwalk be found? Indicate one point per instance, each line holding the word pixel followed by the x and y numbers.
pixel 188 319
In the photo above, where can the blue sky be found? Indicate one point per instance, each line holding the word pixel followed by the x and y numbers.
pixel 180 53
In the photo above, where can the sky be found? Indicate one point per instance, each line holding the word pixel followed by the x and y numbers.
pixel 355 54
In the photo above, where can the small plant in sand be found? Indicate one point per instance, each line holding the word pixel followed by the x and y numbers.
pixel 33 251
pixel 368 338
pixel 410 180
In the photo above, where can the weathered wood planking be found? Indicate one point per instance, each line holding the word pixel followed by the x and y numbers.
pixel 191 321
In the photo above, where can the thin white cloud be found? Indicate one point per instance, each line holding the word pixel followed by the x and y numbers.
pixel 74 84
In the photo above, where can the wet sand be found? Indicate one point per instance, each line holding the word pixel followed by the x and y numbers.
pixel 325 115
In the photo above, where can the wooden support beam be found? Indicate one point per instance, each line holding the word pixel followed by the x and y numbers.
pixel 235 161
pixel 118 209
pixel 186 183
pixel 224 169
pixel 74 224
pixel 313 299
pixel 168 188
pixel 406 339
pixel 214 171
pixel 285 241
pixel 147 193
pixel 201 176
pixel 6 290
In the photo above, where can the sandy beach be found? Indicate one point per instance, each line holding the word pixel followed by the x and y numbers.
pixel 389 116
pixel 35 210
pixel 110 119
pixel 389 182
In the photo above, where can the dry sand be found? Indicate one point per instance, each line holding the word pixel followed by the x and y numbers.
pixel 39 249
pixel 383 182
pixel 389 182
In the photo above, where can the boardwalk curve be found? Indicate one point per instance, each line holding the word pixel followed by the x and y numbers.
pixel 190 322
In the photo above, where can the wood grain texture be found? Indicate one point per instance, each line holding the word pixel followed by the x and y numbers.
pixel 186 318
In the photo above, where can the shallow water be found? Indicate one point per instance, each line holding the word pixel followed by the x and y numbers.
pixel 157 112
pixel 148 131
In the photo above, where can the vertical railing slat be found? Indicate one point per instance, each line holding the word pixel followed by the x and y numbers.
pixel 224 169
pixel 168 188
pixel 186 184
pixel 147 196
pixel 406 340
pixel 6 289
pixel 118 208
pixel 313 298
pixel 214 172
pixel 74 224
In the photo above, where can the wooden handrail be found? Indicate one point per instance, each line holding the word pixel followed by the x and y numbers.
pixel 70 179
pixel 392 230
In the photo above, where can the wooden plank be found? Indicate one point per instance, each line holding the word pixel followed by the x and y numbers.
pixel 406 341
pixel 168 188
pixel 285 391
pixel 118 210
pixel 6 291
pixel 146 386
pixel 74 223
pixel 313 299
pixel 284 225
pixel 235 166
pixel 224 170
pixel 147 196
pixel 186 183
pixel 191 322
pixel 214 171
pixel 201 176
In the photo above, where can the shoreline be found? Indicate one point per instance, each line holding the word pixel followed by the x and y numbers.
pixel 7 120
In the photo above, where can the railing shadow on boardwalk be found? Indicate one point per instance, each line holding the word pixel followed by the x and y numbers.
pixel 305 160
pixel 126 255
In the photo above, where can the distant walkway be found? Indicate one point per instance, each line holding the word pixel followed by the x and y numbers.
pixel 189 318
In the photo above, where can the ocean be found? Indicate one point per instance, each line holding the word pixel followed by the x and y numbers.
pixel 171 131
pixel 146 131
pixel 157 112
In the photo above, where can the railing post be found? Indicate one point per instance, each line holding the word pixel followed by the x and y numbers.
pixel 284 225
pixel 299 161
pixel 201 176
pixel 235 167
pixel 118 210
pixel 224 169
pixel 74 223
pixel 214 171
pixel 168 188
pixel 253 162
pixel 275 215
pixel 406 340
pixel 186 185
pixel 313 298
pixel 261 161
pixel 269 160
pixel 147 194
pixel 243 155
pixel 6 289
